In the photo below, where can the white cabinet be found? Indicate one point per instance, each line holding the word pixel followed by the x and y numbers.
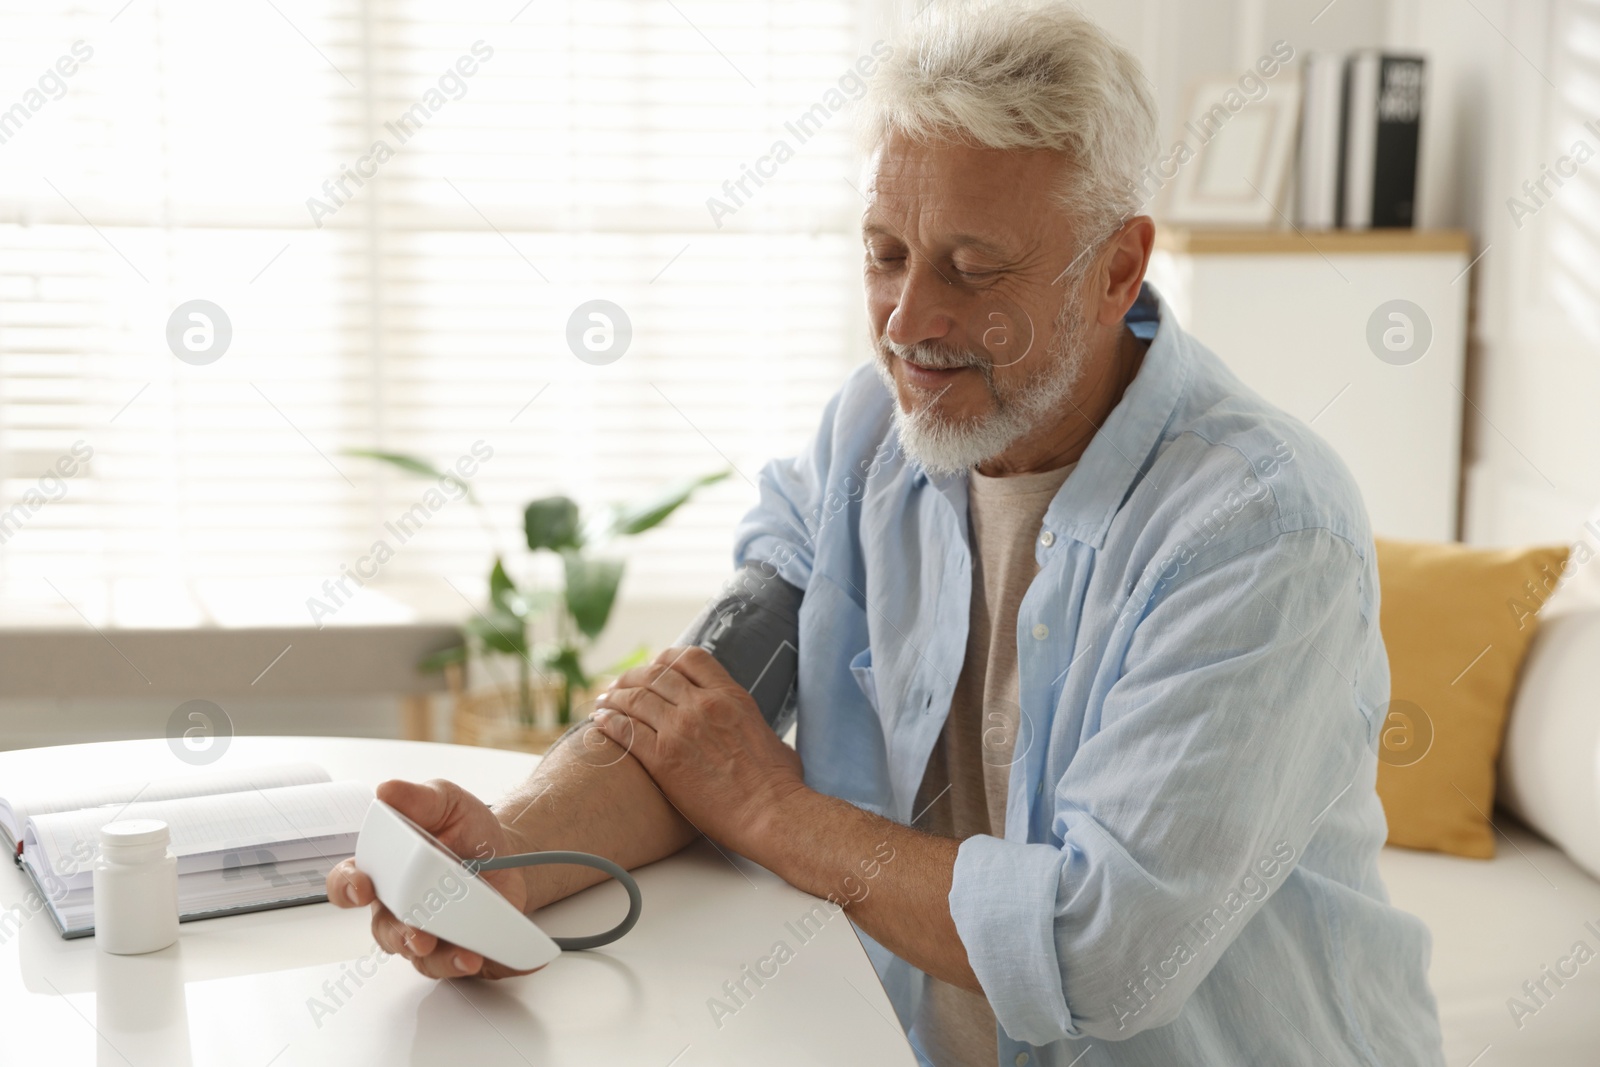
pixel 1362 335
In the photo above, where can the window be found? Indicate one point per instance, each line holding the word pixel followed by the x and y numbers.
pixel 1568 181
pixel 397 207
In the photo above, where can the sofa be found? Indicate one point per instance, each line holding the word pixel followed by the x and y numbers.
pixel 1516 949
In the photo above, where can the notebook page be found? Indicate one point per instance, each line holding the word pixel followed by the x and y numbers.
pixel 69 840
pixel 15 814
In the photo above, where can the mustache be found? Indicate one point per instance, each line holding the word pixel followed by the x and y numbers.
pixel 937 357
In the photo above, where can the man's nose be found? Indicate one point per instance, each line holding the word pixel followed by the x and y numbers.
pixel 924 310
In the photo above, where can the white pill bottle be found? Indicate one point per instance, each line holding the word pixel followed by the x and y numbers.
pixel 135 888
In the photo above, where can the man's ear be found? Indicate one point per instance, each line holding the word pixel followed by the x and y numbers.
pixel 1123 263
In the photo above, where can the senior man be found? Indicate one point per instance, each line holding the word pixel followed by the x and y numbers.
pixel 1089 670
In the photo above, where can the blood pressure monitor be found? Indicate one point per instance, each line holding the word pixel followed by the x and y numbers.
pixel 429 887
pixel 752 629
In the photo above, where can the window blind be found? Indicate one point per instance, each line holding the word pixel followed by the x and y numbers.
pixel 1568 181
pixel 398 207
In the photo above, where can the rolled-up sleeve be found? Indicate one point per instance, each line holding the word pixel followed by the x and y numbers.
pixel 780 530
pixel 1233 716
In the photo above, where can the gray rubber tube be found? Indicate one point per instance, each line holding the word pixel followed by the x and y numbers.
pixel 581 859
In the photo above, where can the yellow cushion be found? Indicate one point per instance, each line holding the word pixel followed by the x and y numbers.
pixel 1456 621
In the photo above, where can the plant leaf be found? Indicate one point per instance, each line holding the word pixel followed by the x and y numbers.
pixel 410 464
pixel 591 590
pixel 504 594
pixel 628 662
pixel 407 463
pixel 635 520
pixel 499 631
pixel 565 661
pixel 551 522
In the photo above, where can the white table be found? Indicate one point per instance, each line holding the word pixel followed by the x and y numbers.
pixel 241 991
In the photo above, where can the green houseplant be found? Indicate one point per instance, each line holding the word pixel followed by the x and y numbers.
pixel 580 608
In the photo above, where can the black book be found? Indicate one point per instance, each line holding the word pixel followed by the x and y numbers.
pixel 1383 97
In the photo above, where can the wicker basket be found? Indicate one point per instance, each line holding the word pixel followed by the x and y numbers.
pixel 490 718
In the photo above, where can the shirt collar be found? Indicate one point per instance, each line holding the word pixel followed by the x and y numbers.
pixel 1123 447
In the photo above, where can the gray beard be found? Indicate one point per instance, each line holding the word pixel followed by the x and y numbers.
pixel 951 446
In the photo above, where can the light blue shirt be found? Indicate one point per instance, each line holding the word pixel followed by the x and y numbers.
pixel 1189 869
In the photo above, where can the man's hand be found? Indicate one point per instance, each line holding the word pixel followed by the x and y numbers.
pixel 703 741
pixel 466 826
pixel 702 738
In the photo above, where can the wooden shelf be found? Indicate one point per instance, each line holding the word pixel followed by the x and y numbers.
pixel 1185 240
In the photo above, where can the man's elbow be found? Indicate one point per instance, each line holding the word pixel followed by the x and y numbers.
pixel 1115 1010
pixel 1125 1021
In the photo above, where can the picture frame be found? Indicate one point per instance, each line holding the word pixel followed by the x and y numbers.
pixel 1239 166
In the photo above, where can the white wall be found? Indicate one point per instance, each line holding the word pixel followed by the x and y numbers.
pixel 1533 438
pixel 1183 41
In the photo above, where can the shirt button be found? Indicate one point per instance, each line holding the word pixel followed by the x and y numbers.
pixel 1047 538
pixel 1040 631
pixel 1021 1060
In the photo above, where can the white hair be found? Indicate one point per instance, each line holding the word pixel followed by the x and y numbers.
pixel 1024 74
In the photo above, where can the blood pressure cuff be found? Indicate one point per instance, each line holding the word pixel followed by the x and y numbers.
pixel 753 629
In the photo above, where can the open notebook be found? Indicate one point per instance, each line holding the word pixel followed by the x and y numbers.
pixel 246 840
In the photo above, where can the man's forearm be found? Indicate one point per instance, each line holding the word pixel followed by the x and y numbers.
pixel 588 794
pixel 831 848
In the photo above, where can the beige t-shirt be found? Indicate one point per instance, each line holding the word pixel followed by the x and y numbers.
pixel 974 753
